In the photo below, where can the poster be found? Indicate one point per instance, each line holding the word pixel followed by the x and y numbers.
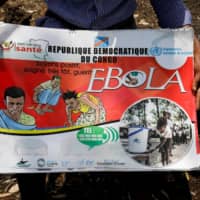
pixel 96 100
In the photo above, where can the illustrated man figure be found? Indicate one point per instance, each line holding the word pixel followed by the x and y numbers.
pixel 13 117
pixel 47 95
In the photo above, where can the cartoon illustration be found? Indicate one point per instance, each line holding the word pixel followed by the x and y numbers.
pixel 13 116
pixel 47 94
pixel 90 108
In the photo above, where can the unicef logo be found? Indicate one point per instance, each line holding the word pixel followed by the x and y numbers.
pixel 155 51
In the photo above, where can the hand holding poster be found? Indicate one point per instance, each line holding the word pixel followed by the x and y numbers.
pixel 96 100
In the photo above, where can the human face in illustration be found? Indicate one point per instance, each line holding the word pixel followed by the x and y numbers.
pixel 55 83
pixel 72 103
pixel 14 105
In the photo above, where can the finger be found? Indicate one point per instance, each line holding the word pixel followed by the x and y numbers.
pixel 195 82
pixel 198 99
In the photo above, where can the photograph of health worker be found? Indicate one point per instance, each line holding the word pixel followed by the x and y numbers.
pixel 156 132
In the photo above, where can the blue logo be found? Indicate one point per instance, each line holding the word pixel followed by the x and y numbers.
pixel 101 41
pixel 155 51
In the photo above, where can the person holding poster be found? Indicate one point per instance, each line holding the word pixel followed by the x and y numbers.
pixel 118 14
pixel 13 116
pixel 90 107
pixel 47 94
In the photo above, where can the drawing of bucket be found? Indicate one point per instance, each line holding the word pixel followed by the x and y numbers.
pixel 137 139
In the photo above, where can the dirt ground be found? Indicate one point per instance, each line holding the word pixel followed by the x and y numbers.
pixel 25 12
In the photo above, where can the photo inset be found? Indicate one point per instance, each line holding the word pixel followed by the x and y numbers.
pixel 134 78
pixel 156 132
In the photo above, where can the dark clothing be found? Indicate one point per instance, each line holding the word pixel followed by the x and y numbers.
pixel 32 186
pixel 101 14
pixel 2 2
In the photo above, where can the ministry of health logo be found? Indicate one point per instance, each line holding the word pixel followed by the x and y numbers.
pixel 7 45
